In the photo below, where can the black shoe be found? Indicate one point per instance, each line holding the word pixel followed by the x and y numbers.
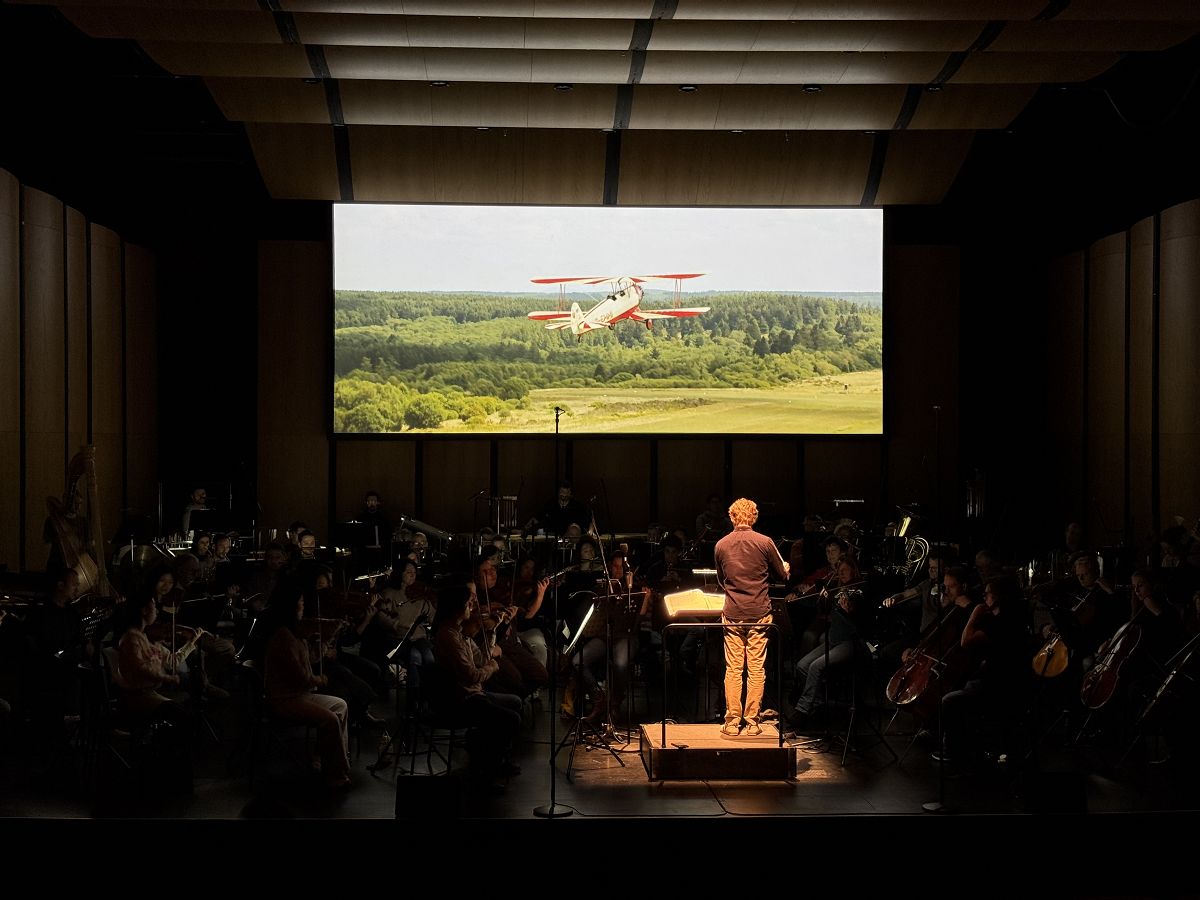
pixel 799 722
pixel 370 720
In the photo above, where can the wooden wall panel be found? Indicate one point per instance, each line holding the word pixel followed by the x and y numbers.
pixel 1106 391
pixel 10 372
pixel 141 385
pixel 525 470
pixel 837 470
pixel 688 471
pixel 767 473
pixel 453 473
pixel 921 362
pixel 384 466
pixel 1064 380
pixel 1141 363
pixel 294 380
pixel 45 389
pixel 1179 348
pixel 616 473
pixel 108 387
pixel 77 374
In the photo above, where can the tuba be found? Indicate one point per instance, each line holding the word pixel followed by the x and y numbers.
pixel 916 551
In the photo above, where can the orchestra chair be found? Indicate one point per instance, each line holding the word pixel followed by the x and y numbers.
pixel 434 722
pixel 268 735
pixel 107 734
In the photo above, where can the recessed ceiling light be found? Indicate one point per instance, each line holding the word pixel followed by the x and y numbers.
pixel 482 128
pixel 688 88
pixel 812 88
pixel 564 87
pixel 868 132
pixel 439 84
pixel 312 80
pixel 933 88
pixel 737 131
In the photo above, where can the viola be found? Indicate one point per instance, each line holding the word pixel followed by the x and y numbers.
pixel 1100 682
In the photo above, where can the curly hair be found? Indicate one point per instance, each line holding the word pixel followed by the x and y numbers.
pixel 743 512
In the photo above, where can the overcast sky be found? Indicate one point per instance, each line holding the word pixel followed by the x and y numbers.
pixel 385 247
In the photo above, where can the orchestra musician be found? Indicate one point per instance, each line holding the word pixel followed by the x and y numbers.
pixel 493 717
pixel 350 676
pixel 406 609
pixel 746 562
pixel 290 681
pixel 145 670
pixel 848 618
pixel 996 636
pixel 529 595
pixel 519 671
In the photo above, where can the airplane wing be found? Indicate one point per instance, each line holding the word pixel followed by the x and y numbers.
pixel 559 315
pixel 654 315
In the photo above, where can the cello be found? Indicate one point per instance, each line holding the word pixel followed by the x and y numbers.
pixel 938 661
pixel 1100 682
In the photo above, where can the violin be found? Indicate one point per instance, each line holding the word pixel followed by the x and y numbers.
pixel 1100 682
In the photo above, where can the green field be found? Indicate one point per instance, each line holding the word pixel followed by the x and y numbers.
pixel 851 403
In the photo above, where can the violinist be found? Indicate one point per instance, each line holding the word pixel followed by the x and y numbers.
pixel 148 678
pixel 844 637
pixel 352 676
pixel 996 637
pixel 519 671
pixel 198 608
pixel 493 717
pixel 807 620
pixel 529 595
pixel 290 679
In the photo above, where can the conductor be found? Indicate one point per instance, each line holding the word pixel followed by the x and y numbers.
pixel 746 563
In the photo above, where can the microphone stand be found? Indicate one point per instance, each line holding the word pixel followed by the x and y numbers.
pixel 939 805
pixel 388 745
pixel 552 811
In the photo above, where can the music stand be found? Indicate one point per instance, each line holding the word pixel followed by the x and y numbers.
pixel 575 733
pixel 388 746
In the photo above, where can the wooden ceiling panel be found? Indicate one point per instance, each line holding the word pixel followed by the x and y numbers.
pixel 452 65
pixel 164 24
pixel 296 161
pixel 547 9
pixel 1024 68
pixel 244 5
pixel 687 67
pixel 785 10
pixel 827 36
pixel 457 165
pixel 270 100
pixel 1062 36
pixel 457 31
pixel 767 107
pixel 1123 10
pixel 972 106
pixel 921 165
pixel 473 104
pixel 230 60
pixel 780 168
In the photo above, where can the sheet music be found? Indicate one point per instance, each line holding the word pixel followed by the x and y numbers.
pixel 694 603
